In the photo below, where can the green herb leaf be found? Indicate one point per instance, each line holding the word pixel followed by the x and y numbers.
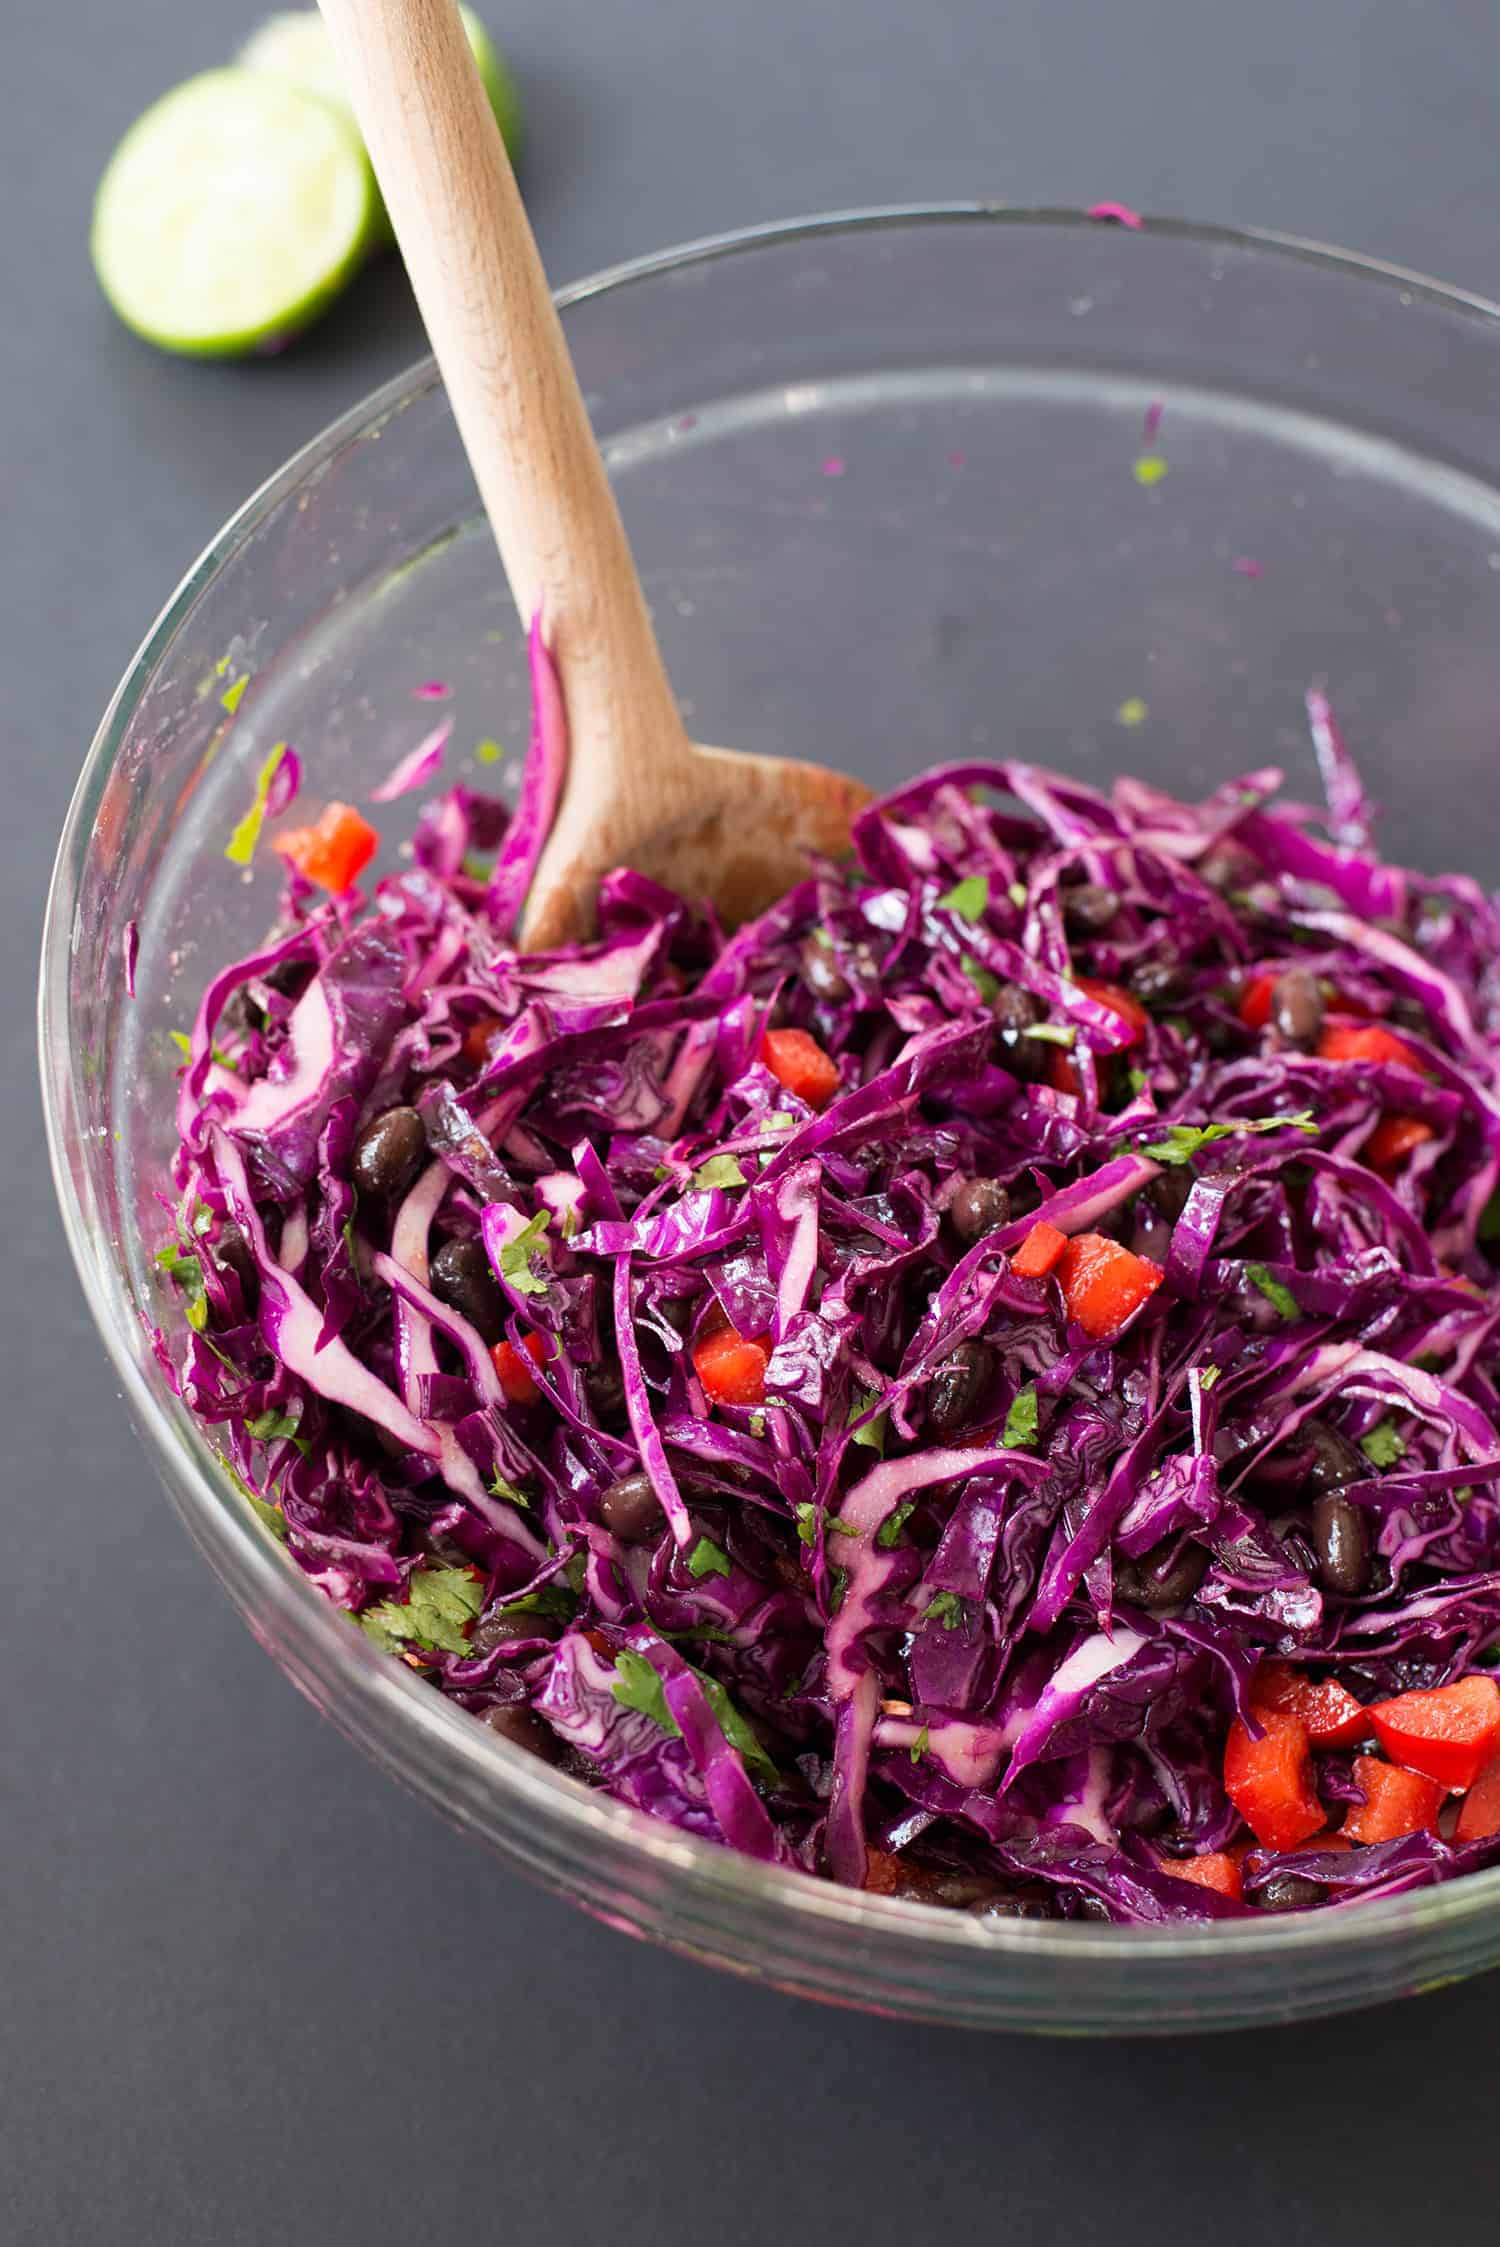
pixel 984 983
pixel 1018 894
pixel 437 1614
pixel 276 1427
pixel 186 1272
pixel 183 1043
pixel 895 1521
pixel 738 1732
pixel 757 1425
pixel 873 1434
pixel 919 1745
pixel 1383 1446
pixel 1184 1140
pixel 1274 1290
pixel 1052 1033
pixel 515 1257
pixel 1138 1081
pixel 719 1170
pixel 240 848
pixel 638 1686
pixel 1021 1421
pixel 1207 1376
pixel 1149 469
pixel 968 898
pixel 487 752
pixel 500 1488
pixel 807 1523
pixel 709 1559
pixel 947 1609
pixel 553 1599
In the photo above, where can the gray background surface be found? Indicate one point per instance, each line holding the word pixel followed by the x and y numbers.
pixel 247 1991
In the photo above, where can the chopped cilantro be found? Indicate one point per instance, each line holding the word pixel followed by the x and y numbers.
pixel 895 1521
pixel 552 1599
pixel 277 1427
pixel 757 1424
pixel 1383 1446
pixel 1274 1290
pixel 709 1559
pixel 186 1272
pixel 638 1686
pixel 919 1745
pixel 240 848
pixel 1018 895
pixel 437 1614
pixel 1208 1375
pixel 807 1523
pixel 500 1488
pixel 515 1257
pixel 1021 1420
pixel 840 1586
pixel 872 1435
pixel 1138 1081
pixel 968 898
pixel 474 866
pixel 1052 1033
pixel 947 1609
pixel 1184 1140
pixel 719 1170
pixel 984 983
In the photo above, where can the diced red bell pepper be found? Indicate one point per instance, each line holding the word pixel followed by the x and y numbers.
pixel 732 1367
pixel 799 1062
pixel 477 1039
pixel 1217 1870
pixel 1480 1814
pixel 1393 1139
pixel 1365 1041
pixel 1103 1283
pixel 1270 1780
pixel 1039 1252
pixel 1255 1006
pixel 1448 1734
pixel 1329 1843
pixel 1062 1075
pixel 335 852
pixel 1333 1717
pixel 1396 1802
pixel 1119 1001
pixel 515 1373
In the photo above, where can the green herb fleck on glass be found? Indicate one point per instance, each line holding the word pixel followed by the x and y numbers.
pixel 1149 469
pixel 487 751
pixel 1132 711
pixel 240 848
pixel 233 694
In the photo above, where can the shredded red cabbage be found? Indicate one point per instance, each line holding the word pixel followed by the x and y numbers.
pixel 731 1440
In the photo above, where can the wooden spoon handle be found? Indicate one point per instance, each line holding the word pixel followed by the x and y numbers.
pixel 483 296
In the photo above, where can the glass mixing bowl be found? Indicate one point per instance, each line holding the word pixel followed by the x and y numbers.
pixel 883 477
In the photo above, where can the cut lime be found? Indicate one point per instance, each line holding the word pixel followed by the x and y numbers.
pixel 230 214
pixel 296 46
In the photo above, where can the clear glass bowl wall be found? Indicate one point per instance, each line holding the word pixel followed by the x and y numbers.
pixel 880 475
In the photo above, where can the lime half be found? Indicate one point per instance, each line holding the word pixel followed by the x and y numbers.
pixel 295 46
pixel 231 213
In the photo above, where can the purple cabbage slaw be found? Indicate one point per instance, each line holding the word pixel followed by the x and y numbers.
pixel 845 1634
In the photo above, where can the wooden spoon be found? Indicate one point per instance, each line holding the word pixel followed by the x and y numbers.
pixel 713 823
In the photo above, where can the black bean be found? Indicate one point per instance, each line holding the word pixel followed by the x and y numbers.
pixel 1014 1008
pixel 1088 908
pixel 604 1386
pixel 1016 1903
pixel 389 1153
pixel 821 972
pixel 958 1388
pixel 1287 1892
pixel 1341 1540
pixel 1333 1462
pixel 939 1884
pixel 290 977
pixel 232 1250
pixel 460 1275
pixel 1157 1580
pixel 1297 1008
pixel 500 1628
pixel 516 1723
pixel 631 1510
pixel 980 1206
pixel 1168 1192
pixel 1160 982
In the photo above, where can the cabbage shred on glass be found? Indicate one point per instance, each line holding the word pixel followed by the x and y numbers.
pixel 979 1385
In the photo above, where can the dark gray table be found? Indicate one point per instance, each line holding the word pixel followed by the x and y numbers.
pixel 248 1993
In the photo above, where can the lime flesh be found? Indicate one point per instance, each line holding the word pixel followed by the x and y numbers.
pixel 231 213
pixel 295 46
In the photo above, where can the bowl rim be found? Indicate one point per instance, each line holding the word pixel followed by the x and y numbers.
pixel 362 1674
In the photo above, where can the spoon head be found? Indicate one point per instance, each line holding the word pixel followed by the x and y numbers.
pixel 736 828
